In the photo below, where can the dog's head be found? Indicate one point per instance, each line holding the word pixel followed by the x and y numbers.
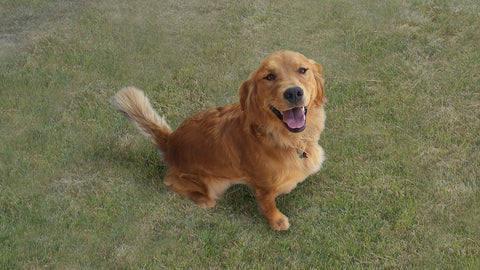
pixel 282 90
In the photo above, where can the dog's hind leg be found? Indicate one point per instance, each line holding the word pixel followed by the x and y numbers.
pixel 191 186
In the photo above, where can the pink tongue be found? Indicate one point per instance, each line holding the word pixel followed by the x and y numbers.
pixel 294 118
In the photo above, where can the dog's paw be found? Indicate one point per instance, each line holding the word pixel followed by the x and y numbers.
pixel 280 223
pixel 205 203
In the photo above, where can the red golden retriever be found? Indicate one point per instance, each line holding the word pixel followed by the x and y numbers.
pixel 267 140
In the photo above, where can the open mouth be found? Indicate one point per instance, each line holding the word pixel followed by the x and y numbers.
pixel 294 119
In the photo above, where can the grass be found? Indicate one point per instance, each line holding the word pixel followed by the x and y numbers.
pixel 80 188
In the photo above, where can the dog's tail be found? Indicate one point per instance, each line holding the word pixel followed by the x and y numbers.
pixel 136 107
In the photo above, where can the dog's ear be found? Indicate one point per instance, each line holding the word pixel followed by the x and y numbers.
pixel 317 72
pixel 246 92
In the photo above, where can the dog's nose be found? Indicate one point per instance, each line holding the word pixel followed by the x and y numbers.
pixel 293 94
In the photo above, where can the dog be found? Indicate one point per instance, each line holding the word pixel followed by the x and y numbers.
pixel 267 140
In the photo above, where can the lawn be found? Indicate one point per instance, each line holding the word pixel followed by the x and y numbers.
pixel 80 188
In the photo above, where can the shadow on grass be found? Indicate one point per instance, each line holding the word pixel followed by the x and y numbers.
pixel 239 198
pixel 146 166
pixel 238 201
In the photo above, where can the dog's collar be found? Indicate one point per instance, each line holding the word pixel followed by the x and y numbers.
pixel 280 116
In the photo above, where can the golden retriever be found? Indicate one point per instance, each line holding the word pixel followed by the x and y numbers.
pixel 268 140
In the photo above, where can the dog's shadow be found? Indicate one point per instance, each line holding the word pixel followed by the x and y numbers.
pixel 238 199
pixel 147 165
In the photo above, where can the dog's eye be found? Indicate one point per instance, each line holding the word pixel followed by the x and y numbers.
pixel 302 70
pixel 270 77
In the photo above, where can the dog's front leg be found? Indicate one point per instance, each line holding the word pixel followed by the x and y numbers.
pixel 266 203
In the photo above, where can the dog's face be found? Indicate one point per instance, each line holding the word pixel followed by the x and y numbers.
pixel 282 89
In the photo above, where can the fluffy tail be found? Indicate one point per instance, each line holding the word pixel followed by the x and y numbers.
pixel 135 106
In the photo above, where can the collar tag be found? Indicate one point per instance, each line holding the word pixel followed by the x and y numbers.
pixel 301 154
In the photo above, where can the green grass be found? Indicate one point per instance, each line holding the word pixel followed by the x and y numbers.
pixel 81 188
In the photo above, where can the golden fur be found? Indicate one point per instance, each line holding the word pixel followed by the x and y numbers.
pixel 245 142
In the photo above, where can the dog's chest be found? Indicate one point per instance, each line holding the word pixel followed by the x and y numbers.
pixel 296 165
pixel 296 168
pixel 308 161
